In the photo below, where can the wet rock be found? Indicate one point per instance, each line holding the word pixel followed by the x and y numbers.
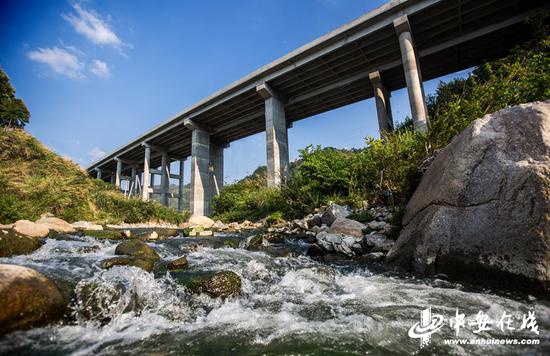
pixel 147 236
pixel 217 285
pixel 198 231
pixel 57 225
pixel 28 298
pixel 203 221
pixel 377 225
pixel 31 229
pixel 315 251
pixel 136 248
pixel 104 234
pixel 373 257
pixel 146 264
pixel 86 225
pixel 333 212
pixel 299 224
pixel 314 221
pixel 347 227
pixel 12 243
pixel 378 243
pixel 178 264
pixel 483 205
pixel 342 244
pixel 164 232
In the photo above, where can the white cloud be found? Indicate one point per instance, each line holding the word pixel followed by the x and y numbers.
pixel 60 60
pixel 96 153
pixel 93 27
pixel 99 68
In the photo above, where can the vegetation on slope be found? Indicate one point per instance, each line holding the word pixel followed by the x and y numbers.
pixel 34 181
pixel 387 171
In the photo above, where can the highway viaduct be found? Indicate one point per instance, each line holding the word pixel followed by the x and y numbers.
pixel 400 44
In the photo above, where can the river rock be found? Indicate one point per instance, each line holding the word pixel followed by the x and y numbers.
pixel 104 234
pixel 333 212
pixel 147 235
pixel 28 298
pixel 203 221
pixel 483 205
pixel 56 224
pixel 178 263
pixel 136 248
pixel 378 242
pixel 373 257
pixel 86 225
pixel 315 251
pixel 31 229
pixel 347 227
pixel 146 264
pixel 342 244
pixel 314 220
pixel 12 243
pixel 220 284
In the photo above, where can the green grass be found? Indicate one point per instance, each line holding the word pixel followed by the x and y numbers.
pixel 34 181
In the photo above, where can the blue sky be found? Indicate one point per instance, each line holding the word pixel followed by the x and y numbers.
pixel 96 74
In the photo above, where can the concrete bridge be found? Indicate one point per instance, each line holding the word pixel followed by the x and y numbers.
pixel 397 45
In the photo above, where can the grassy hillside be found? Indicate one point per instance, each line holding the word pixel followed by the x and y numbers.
pixel 387 171
pixel 34 181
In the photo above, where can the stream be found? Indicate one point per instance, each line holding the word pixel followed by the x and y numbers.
pixel 287 305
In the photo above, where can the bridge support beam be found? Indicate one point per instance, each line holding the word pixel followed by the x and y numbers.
pixel 145 188
pixel 180 186
pixel 118 175
pixel 164 178
pixel 276 136
pixel 383 107
pixel 216 168
pixel 413 75
pixel 98 173
pixel 200 173
pixel 133 181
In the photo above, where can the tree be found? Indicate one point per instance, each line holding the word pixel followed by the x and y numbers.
pixel 13 111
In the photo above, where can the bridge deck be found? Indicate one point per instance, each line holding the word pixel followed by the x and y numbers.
pixel 332 71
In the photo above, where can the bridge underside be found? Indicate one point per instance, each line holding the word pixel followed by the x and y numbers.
pixel 334 70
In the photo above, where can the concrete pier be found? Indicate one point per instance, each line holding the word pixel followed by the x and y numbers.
pixel 164 178
pixel 133 181
pixel 383 107
pixel 200 173
pixel 145 189
pixel 181 186
pixel 413 76
pixel 276 136
pixel 98 173
pixel 216 168
pixel 118 174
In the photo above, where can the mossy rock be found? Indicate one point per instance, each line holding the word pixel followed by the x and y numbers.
pixel 104 234
pixel 255 243
pixel 178 264
pixel 166 232
pixel 146 264
pixel 136 248
pixel 217 285
pixel 12 243
pixel 95 300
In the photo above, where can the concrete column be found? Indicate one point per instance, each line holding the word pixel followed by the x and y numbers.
pixel 164 178
pixel 112 179
pixel 216 169
pixel 413 76
pixel 145 189
pixel 276 136
pixel 200 175
pixel 383 108
pixel 118 175
pixel 180 186
pixel 98 173
pixel 133 181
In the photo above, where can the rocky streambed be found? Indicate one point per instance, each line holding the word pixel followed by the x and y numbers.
pixel 270 299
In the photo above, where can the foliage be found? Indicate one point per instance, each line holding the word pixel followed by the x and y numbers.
pixel 13 111
pixel 363 216
pixel 34 181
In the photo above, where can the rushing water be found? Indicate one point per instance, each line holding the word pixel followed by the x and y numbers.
pixel 288 305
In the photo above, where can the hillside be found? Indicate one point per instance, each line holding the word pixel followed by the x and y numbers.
pixel 34 181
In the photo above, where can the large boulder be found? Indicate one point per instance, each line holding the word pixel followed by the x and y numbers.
pixel 31 229
pixel 138 249
pixel 333 212
pixel 57 225
pixel 342 244
pixel 28 299
pixel 347 227
pixel 203 221
pixel 217 285
pixel 12 243
pixel 483 206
